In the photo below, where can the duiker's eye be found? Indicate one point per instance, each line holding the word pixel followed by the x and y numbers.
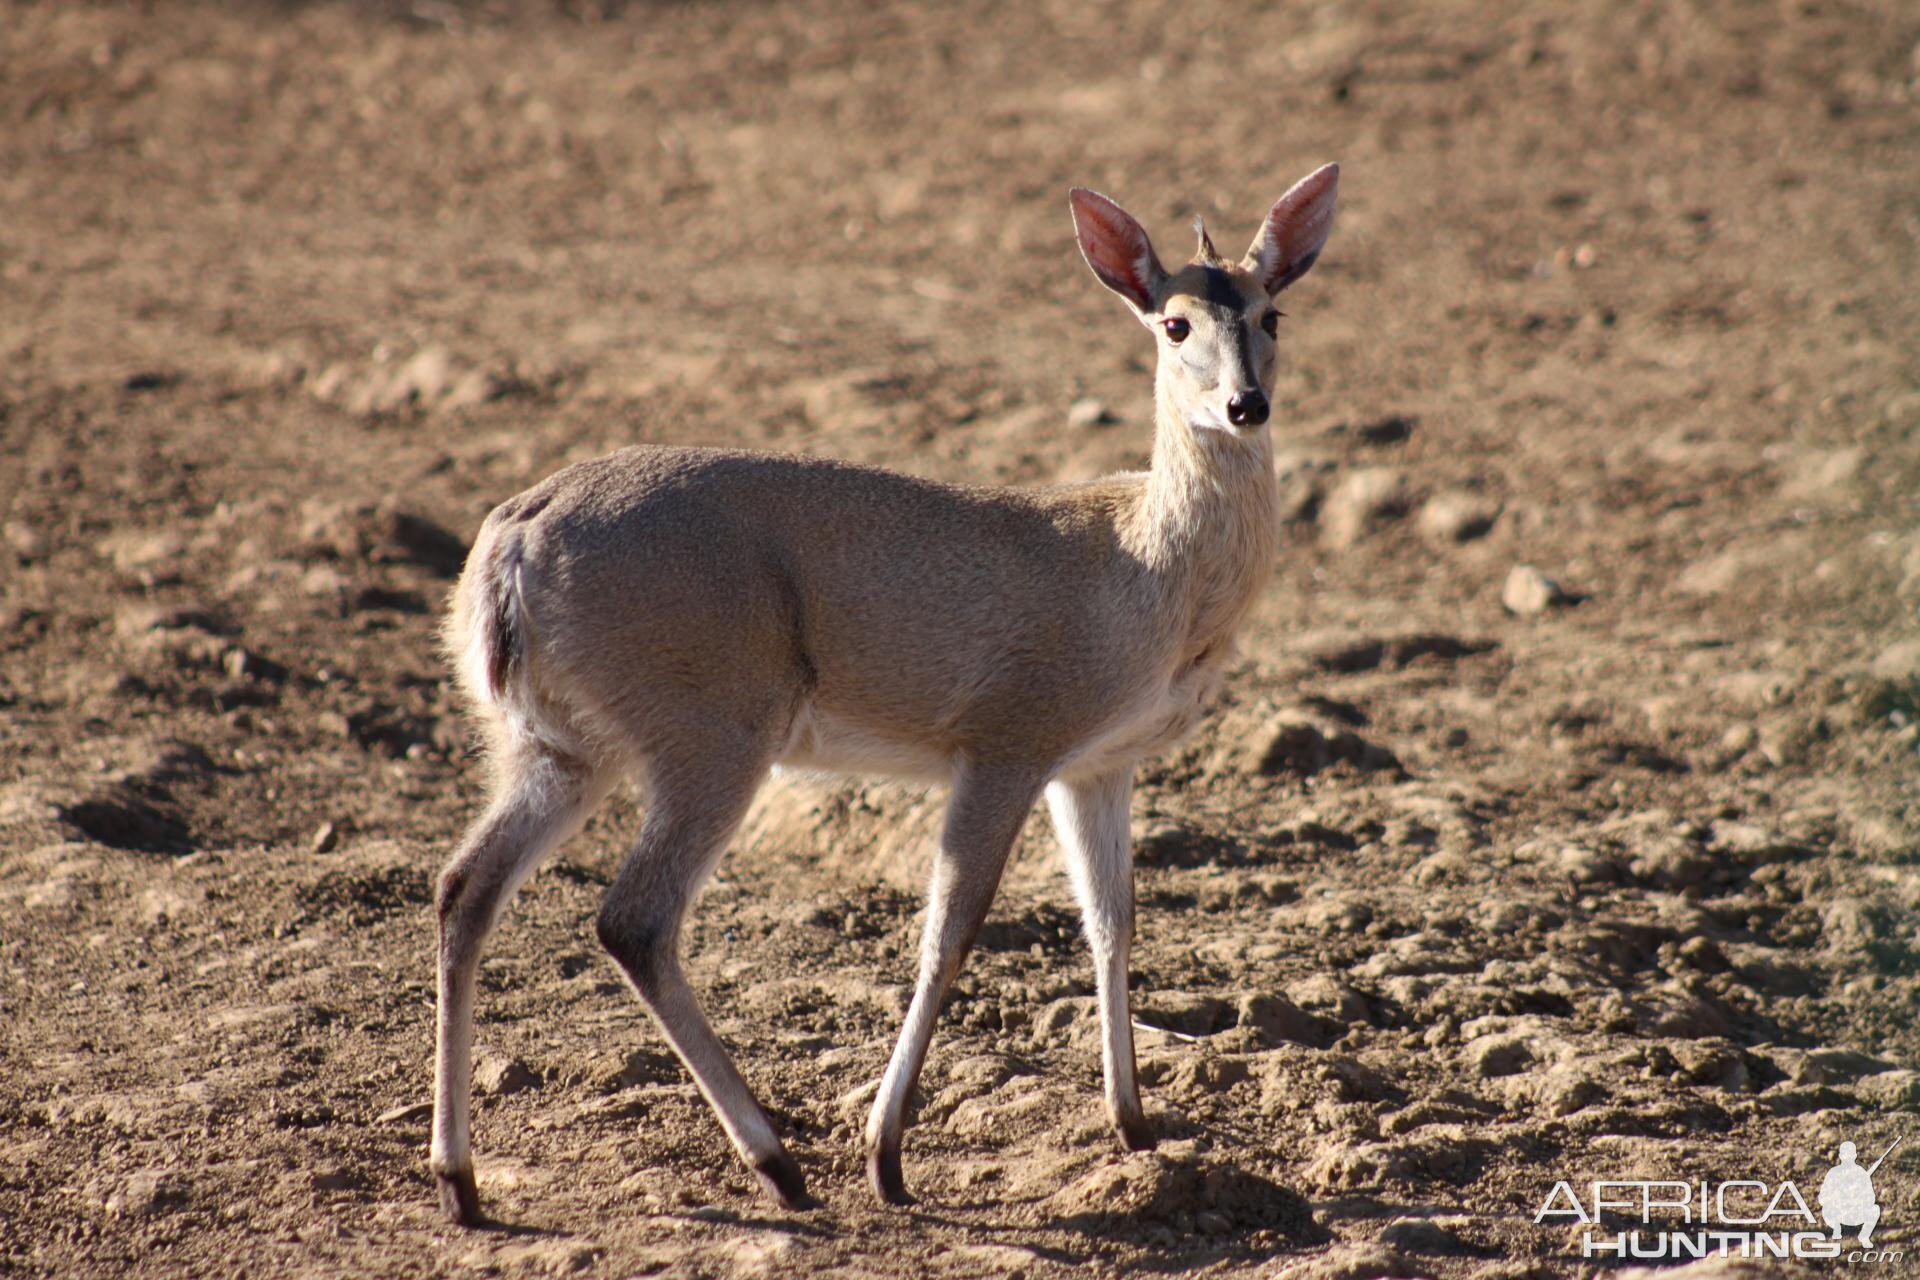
pixel 1177 329
pixel 1271 323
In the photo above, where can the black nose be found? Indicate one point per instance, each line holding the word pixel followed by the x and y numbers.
pixel 1248 409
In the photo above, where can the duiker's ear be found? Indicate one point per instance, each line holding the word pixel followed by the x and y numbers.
pixel 1295 231
pixel 1116 248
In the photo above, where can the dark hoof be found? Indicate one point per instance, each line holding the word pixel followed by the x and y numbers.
pixel 1135 1135
pixel 460 1199
pixel 780 1175
pixel 883 1174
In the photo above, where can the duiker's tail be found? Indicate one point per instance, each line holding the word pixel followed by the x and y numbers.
pixel 486 633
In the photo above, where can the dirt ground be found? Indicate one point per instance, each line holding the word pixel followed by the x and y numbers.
pixel 1448 901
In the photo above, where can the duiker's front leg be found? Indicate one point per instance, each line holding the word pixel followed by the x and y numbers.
pixel 984 818
pixel 1091 816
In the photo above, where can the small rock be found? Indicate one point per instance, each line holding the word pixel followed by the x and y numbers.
pixel 1088 412
pixel 146 1194
pixel 246 664
pixel 27 542
pixel 1530 591
pixel 1898 661
pixel 325 838
pixel 498 1075
pixel 1457 516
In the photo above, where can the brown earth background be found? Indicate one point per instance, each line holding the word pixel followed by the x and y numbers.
pixel 1447 902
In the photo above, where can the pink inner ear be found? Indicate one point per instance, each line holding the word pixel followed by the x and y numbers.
pixel 1115 246
pixel 1296 228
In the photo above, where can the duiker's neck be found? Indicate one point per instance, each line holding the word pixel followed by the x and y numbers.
pixel 1209 499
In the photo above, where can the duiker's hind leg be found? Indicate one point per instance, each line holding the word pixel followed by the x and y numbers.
pixel 541 797
pixel 693 809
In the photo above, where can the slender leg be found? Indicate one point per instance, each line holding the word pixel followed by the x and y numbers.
pixel 983 819
pixel 1091 817
pixel 542 797
pixel 692 812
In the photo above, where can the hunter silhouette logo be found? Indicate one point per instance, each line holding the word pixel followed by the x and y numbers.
pixel 1741 1217
pixel 1846 1194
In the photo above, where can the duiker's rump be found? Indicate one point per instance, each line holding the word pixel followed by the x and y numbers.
pixel 695 617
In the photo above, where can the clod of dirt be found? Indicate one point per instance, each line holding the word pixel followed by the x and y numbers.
pixel 364 897
pixel 430 380
pixel 1328 995
pixel 1676 863
pixel 1443 1153
pixel 1897 1090
pixel 1499 1055
pixel 1158 1187
pixel 379 533
pixel 1299 743
pixel 1348 654
pixel 149 556
pixel 134 807
pixel 1089 412
pixel 1581 864
pixel 1197 1076
pixel 1187 1013
pixel 1173 844
pixel 1366 501
pixel 1274 1019
pixel 1530 591
pixel 1457 516
pixel 1352 1262
pixel 1300 480
pixel 123 818
pixel 147 1194
pixel 499 1075
pixel 1419 1235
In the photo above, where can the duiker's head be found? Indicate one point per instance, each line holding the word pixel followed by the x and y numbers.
pixel 1215 322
